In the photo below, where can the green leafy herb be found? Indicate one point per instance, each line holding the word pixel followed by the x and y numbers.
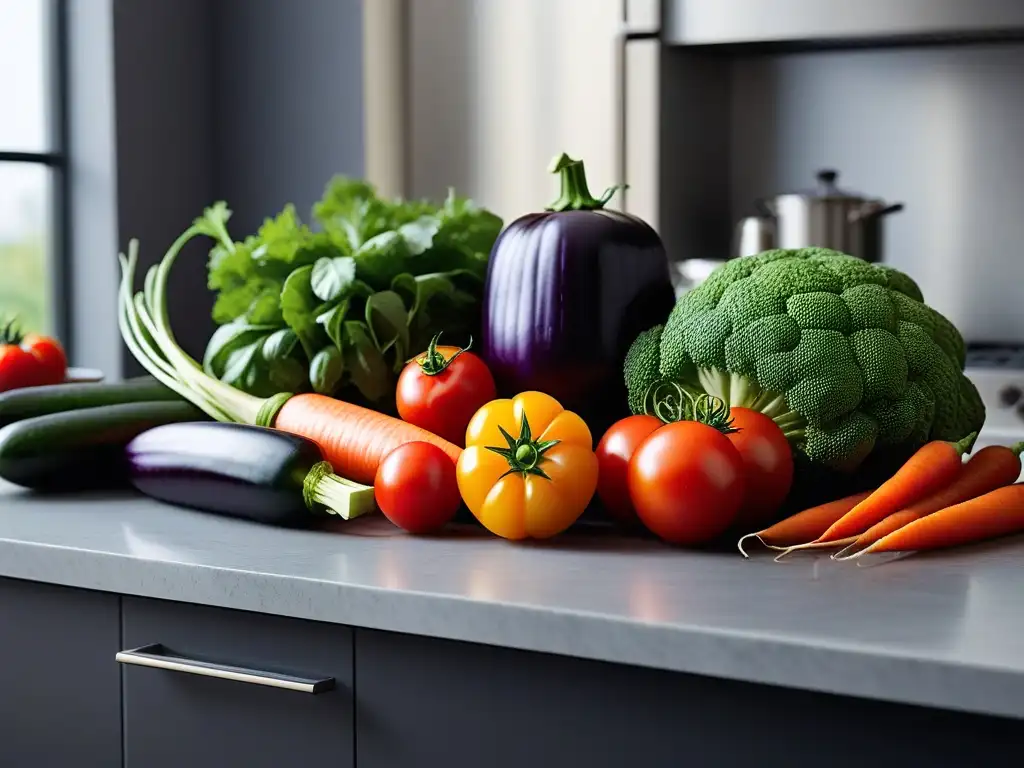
pixel 386 318
pixel 357 294
pixel 300 308
pixel 332 320
pixel 326 370
pixel 366 364
pixel 331 277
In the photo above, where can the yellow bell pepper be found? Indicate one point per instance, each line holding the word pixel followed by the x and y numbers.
pixel 529 468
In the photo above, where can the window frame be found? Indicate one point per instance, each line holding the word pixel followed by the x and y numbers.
pixel 56 159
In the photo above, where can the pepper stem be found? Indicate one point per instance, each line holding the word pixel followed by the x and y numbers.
pixel 433 362
pixel 524 454
pixel 575 194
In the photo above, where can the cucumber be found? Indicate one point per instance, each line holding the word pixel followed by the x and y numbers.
pixel 82 449
pixel 29 402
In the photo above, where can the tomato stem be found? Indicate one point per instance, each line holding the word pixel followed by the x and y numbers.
pixel 524 454
pixel 670 401
pixel 433 362
pixel 11 334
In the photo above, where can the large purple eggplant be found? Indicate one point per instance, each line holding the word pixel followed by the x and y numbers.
pixel 568 290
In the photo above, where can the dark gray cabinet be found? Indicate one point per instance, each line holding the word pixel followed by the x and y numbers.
pixel 60 698
pixel 178 718
pixel 424 701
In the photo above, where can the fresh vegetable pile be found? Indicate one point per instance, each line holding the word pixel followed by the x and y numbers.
pixel 72 437
pixel 843 355
pixel 779 368
pixel 340 308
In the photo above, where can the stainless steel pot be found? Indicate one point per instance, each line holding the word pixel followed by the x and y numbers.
pixel 826 217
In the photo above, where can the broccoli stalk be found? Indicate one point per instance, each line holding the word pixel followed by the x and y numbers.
pixel 738 391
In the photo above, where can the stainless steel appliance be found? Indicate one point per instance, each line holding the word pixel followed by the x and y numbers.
pixel 826 216
pixel 998 373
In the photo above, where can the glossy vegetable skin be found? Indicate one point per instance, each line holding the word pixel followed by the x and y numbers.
pixel 616 448
pixel 81 449
pixel 804 526
pixel 934 466
pixel 58 398
pixel 567 292
pixel 441 390
pixel 233 469
pixel 416 488
pixel 992 467
pixel 997 513
pixel 529 468
pixel 767 467
pixel 686 481
pixel 29 360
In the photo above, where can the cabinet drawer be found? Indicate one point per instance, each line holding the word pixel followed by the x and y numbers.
pixel 211 687
pixel 430 702
pixel 60 698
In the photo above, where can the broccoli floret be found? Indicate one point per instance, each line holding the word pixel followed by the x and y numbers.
pixel 843 354
pixel 642 362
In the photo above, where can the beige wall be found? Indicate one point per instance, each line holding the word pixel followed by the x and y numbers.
pixel 498 88
pixel 493 89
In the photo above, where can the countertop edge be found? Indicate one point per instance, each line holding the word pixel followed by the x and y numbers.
pixel 765 660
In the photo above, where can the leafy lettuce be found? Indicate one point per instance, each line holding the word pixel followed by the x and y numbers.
pixel 339 307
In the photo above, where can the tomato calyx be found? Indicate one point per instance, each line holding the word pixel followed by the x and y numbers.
pixel 670 401
pixel 11 334
pixel 433 362
pixel 524 454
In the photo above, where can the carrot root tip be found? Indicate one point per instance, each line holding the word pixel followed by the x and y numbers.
pixel 739 544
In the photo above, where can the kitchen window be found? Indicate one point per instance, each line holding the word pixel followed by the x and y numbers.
pixel 33 165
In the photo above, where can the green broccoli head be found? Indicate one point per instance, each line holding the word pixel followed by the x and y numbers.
pixel 843 354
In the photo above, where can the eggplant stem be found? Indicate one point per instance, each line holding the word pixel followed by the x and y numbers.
pixel 575 194
pixel 345 498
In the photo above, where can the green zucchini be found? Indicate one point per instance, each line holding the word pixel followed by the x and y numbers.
pixel 26 403
pixel 82 449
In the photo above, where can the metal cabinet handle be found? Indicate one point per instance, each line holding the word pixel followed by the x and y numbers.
pixel 157 656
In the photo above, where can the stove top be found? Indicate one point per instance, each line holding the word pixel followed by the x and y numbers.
pixel 998 373
pixel 995 356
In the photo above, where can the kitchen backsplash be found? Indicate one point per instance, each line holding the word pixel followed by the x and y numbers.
pixel 939 129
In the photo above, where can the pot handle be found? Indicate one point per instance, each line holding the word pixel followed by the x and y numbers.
pixel 874 213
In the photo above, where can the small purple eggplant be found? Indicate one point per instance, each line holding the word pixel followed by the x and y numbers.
pixel 568 290
pixel 242 471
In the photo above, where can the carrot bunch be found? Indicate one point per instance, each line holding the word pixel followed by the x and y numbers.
pixel 934 500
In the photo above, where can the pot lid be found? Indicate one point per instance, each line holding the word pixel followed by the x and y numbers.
pixel 827 189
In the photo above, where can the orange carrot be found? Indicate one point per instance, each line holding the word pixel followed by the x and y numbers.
pixel 353 439
pixel 804 526
pixel 997 513
pixel 992 467
pixel 934 466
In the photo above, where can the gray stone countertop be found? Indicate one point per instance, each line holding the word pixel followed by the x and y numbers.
pixel 944 630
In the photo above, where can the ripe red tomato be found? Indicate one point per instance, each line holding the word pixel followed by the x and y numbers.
pixel 767 466
pixel 52 361
pixel 29 361
pixel 416 487
pixel 442 389
pixel 686 482
pixel 18 368
pixel 613 454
